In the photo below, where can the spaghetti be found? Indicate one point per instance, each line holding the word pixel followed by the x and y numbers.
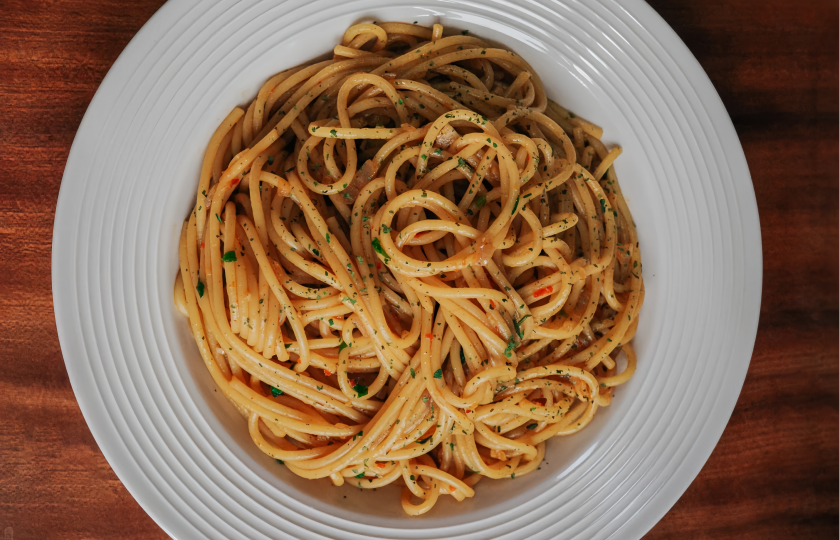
pixel 405 264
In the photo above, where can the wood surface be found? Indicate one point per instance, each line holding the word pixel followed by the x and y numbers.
pixel 774 473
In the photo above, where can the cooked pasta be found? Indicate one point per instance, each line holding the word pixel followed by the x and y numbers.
pixel 405 264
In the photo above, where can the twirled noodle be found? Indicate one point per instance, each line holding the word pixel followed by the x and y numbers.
pixel 405 264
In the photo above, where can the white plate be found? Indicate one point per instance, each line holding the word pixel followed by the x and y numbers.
pixel 181 449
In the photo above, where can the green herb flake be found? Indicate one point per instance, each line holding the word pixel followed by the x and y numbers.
pixel 377 247
pixel 510 347
pixel 360 389
pixel 517 326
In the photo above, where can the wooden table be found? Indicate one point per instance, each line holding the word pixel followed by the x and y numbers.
pixel 774 473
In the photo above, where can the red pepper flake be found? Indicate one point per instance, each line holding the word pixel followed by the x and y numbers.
pixel 327 372
pixel 380 465
pixel 492 304
pixel 379 266
pixel 352 382
pixel 544 291
pixel 429 337
pixel 202 245
pixel 235 181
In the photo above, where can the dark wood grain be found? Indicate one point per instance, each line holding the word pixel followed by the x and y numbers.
pixel 774 473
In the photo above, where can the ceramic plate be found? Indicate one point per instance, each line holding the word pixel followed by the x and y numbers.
pixel 181 449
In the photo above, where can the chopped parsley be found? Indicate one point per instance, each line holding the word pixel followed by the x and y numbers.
pixel 516 326
pixel 377 247
pixel 511 345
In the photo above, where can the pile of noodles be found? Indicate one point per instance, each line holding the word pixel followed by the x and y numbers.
pixel 406 264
